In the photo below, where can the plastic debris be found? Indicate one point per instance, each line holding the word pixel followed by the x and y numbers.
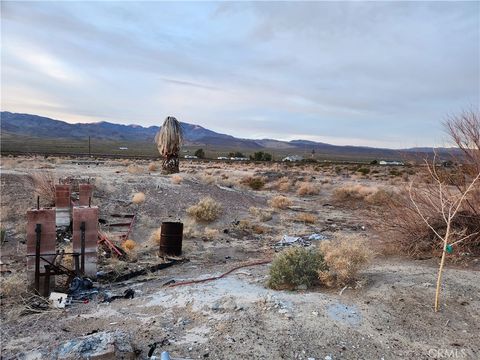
pixel 58 300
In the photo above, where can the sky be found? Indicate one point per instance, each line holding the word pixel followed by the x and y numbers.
pixel 383 74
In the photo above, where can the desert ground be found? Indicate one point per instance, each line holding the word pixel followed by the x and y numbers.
pixel 387 313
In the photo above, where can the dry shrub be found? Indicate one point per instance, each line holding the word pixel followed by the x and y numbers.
pixel 344 258
pixel 44 183
pixel 116 265
pixel 125 162
pixel 280 202
pixel 206 210
pixel 138 198
pixel 295 267
pixel 409 233
pixel 262 215
pixel 189 229
pixel 13 285
pixel 152 167
pixel 207 179
pixel 134 169
pixel 306 188
pixel 210 233
pixel 381 197
pixel 176 179
pixel 254 182
pixel 128 245
pixel 283 184
pixel 306 218
pixel 353 192
pixel 250 228
pixel 154 238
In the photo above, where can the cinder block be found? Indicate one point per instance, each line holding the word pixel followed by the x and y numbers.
pixel 48 236
pixel 89 215
pixel 62 196
pixel 86 192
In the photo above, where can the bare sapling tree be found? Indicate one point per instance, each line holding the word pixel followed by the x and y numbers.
pixel 168 141
pixel 450 197
pixel 449 205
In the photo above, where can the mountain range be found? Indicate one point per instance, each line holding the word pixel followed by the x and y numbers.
pixel 38 127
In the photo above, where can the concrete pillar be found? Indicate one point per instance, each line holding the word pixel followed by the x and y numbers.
pixel 48 237
pixel 63 205
pixel 89 216
pixel 86 192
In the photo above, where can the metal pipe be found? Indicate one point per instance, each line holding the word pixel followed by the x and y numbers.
pixel 38 231
pixel 82 247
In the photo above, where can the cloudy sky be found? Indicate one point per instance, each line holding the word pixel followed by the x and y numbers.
pixel 360 73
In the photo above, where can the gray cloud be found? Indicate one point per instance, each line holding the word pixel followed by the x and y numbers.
pixel 382 73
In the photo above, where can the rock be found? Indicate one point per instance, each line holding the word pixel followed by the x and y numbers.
pixel 99 346
pixel 328 357
pixel 302 287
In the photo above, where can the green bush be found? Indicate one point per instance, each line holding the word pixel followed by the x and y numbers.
pixel 294 267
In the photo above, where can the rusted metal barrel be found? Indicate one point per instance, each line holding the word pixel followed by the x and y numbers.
pixel 171 238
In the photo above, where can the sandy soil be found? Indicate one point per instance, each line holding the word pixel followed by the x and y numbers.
pixel 387 315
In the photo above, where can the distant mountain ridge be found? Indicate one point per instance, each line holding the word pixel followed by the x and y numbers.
pixel 16 124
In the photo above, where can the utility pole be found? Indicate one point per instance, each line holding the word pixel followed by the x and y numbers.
pixel 89 147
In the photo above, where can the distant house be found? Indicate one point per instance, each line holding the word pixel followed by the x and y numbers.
pixel 293 158
pixel 222 158
pixel 123 148
pixel 190 157
pixel 239 158
pixel 397 163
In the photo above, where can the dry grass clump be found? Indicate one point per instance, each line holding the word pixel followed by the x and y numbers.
pixel 280 202
pixel 154 238
pixel 13 285
pixel 190 229
pixel 134 169
pixel 380 197
pixel 210 233
pixel 307 188
pixel 283 184
pixel 152 167
pixel 206 210
pixel 254 182
pixel 129 245
pixel 44 183
pixel 250 228
pixel 295 267
pixel 344 258
pixel 207 179
pixel 138 198
pixel 176 179
pixel 262 215
pixel 353 192
pixel 306 218
pixel 116 265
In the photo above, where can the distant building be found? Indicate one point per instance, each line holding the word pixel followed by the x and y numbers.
pixel 123 148
pixel 239 158
pixel 293 158
pixel 190 157
pixel 222 158
pixel 397 163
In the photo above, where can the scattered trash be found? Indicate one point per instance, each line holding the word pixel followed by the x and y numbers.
pixel 128 294
pixel 82 289
pixel 299 240
pixel 58 300
pixel 317 237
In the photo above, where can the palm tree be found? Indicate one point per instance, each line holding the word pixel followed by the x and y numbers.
pixel 168 140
